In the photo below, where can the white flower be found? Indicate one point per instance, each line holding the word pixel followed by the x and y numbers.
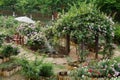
pixel 83 76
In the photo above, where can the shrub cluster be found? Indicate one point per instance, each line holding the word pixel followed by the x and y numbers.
pixel 8 51
pixel 36 69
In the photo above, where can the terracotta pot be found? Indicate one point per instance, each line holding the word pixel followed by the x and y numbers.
pixel 63 77
pixel 94 79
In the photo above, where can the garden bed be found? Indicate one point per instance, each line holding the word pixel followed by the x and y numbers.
pixel 9 68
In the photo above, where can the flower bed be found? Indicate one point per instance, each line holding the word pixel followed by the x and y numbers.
pixel 9 70
pixel 102 69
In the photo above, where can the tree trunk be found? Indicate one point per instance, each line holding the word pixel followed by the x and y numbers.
pixel 67 43
pixel 96 45
pixel 82 50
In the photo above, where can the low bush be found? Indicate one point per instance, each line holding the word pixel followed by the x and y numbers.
pixel 117 34
pixel 117 67
pixel 8 50
pixel 35 69
pixel 46 70
pixel 1 39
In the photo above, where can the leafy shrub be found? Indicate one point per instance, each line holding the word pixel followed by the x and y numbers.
pixel 7 22
pixel 117 34
pixel 35 69
pixel 34 34
pixel 117 67
pixel 8 51
pixel 29 69
pixel 79 73
pixel 46 70
pixel 1 39
pixel 36 41
pixel 15 51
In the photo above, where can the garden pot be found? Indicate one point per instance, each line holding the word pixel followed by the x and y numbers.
pixel 63 75
pixel 94 79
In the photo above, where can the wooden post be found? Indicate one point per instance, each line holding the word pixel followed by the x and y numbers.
pixel 82 50
pixel 67 43
pixel 96 45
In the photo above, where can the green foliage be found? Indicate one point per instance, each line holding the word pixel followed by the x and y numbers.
pixel 8 50
pixel 29 69
pixel 46 70
pixel 35 36
pixel 84 18
pixel 26 6
pixel 109 5
pixel 9 64
pixel 1 39
pixel 15 51
pixel 117 67
pixel 8 22
pixel 41 6
pixel 78 73
pixel 117 34
pixel 83 22
pixel 8 25
pixel 36 68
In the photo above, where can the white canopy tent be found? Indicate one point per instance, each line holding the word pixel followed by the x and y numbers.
pixel 25 19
